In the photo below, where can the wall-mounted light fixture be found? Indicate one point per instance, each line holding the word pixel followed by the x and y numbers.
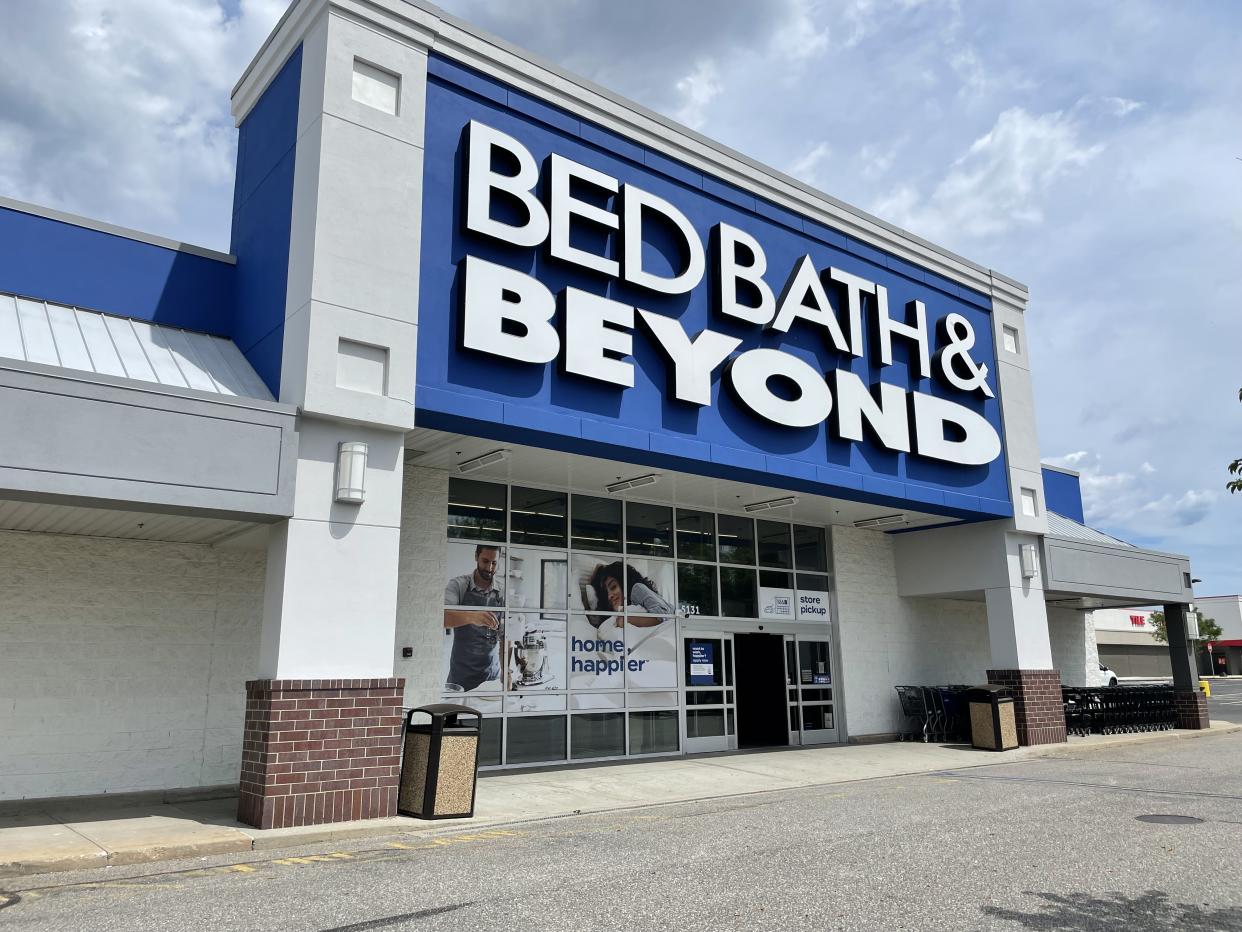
pixel 636 483
pixel 882 521
pixel 487 459
pixel 351 472
pixel 773 503
pixel 1029 556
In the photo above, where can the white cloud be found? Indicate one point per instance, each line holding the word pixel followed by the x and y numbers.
pixel 876 160
pixel 698 89
pixel 121 111
pixel 807 166
pixel 1122 106
pixel 800 37
pixel 1126 502
pixel 999 182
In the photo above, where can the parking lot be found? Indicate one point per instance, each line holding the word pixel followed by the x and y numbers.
pixel 1225 704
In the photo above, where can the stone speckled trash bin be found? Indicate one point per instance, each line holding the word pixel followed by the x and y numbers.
pixel 440 763
pixel 993 724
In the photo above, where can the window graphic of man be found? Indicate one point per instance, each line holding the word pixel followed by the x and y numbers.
pixel 615 584
pixel 475 658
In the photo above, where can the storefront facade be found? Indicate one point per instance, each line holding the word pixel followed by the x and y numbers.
pixel 532 400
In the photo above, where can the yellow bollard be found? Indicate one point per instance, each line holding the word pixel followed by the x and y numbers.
pixel 1206 688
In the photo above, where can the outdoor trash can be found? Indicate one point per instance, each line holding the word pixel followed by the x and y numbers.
pixel 993 726
pixel 440 764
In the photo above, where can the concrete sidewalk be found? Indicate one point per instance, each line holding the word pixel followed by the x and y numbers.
pixel 93 833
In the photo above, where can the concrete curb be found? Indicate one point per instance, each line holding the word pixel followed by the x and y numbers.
pixel 250 840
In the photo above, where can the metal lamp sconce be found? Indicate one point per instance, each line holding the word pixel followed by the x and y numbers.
pixel 351 472
pixel 1029 556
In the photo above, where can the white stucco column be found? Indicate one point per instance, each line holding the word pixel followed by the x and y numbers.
pixel 348 353
pixel 350 334
pixel 1017 617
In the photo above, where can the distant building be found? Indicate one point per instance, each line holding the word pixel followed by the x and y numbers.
pixel 1126 642
pixel 1227 612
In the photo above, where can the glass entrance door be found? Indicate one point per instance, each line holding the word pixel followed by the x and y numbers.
pixel 707 675
pixel 808 676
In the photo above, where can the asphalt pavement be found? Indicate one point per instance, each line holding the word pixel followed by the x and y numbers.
pixel 1141 836
pixel 1225 703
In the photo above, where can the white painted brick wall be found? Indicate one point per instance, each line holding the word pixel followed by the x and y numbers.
pixel 887 640
pixel 1073 646
pixel 123 663
pixel 420 582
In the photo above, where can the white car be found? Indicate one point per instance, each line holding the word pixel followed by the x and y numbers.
pixel 1107 676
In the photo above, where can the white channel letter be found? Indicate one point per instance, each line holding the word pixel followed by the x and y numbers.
pixel 494 294
pixel 565 207
pixel 728 239
pixel 481 181
pixel 890 328
pixel 889 417
pixel 750 373
pixel 981 444
pixel 804 297
pixel 855 287
pixel 636 201
pixel 597 330
pixel 693 361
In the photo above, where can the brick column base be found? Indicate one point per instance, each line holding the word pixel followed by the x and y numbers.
pixel 1038 707
pixel 1192 709
pixel 318 751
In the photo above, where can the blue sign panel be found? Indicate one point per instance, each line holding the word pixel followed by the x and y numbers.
pixel 583 293
pixel 702 664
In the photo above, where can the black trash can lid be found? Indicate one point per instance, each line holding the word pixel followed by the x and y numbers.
pixel 447 708
pixel 447 714
pixel 986 692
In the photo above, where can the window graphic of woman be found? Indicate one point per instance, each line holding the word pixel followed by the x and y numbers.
pixel 617 585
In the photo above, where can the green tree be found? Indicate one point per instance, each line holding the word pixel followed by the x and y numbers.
pixel 1209 630
pixel 1235 468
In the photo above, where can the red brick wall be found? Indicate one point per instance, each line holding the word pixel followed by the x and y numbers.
pixel 1038 707
pixel 1192 709
pixel 319 751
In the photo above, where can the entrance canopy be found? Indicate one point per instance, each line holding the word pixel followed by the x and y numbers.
pixel 1087 569
pixel 480 458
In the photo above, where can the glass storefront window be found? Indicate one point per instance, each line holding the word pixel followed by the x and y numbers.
pixel 653 732
pixel 696 588
pixel 537 578
pixel 560 619
pixel 810 549
pixel 534 739
pixel 696 535
pixel 737 539
pixel 705 723
pixel 774 545
pixel 598 734
pixel 648 529
pixel 775 579
pixel 614 700
pixel 539 517
pixel 737 593
pixel 489 742
pixel 476 510
pixel 596 523
pixel 596 653
pixel 816 716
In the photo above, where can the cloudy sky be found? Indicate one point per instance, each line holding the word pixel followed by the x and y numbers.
pixel 1091 151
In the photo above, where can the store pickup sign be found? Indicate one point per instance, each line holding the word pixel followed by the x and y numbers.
pixel 511 314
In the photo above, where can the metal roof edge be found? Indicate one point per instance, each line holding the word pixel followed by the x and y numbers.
pixel 102 226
